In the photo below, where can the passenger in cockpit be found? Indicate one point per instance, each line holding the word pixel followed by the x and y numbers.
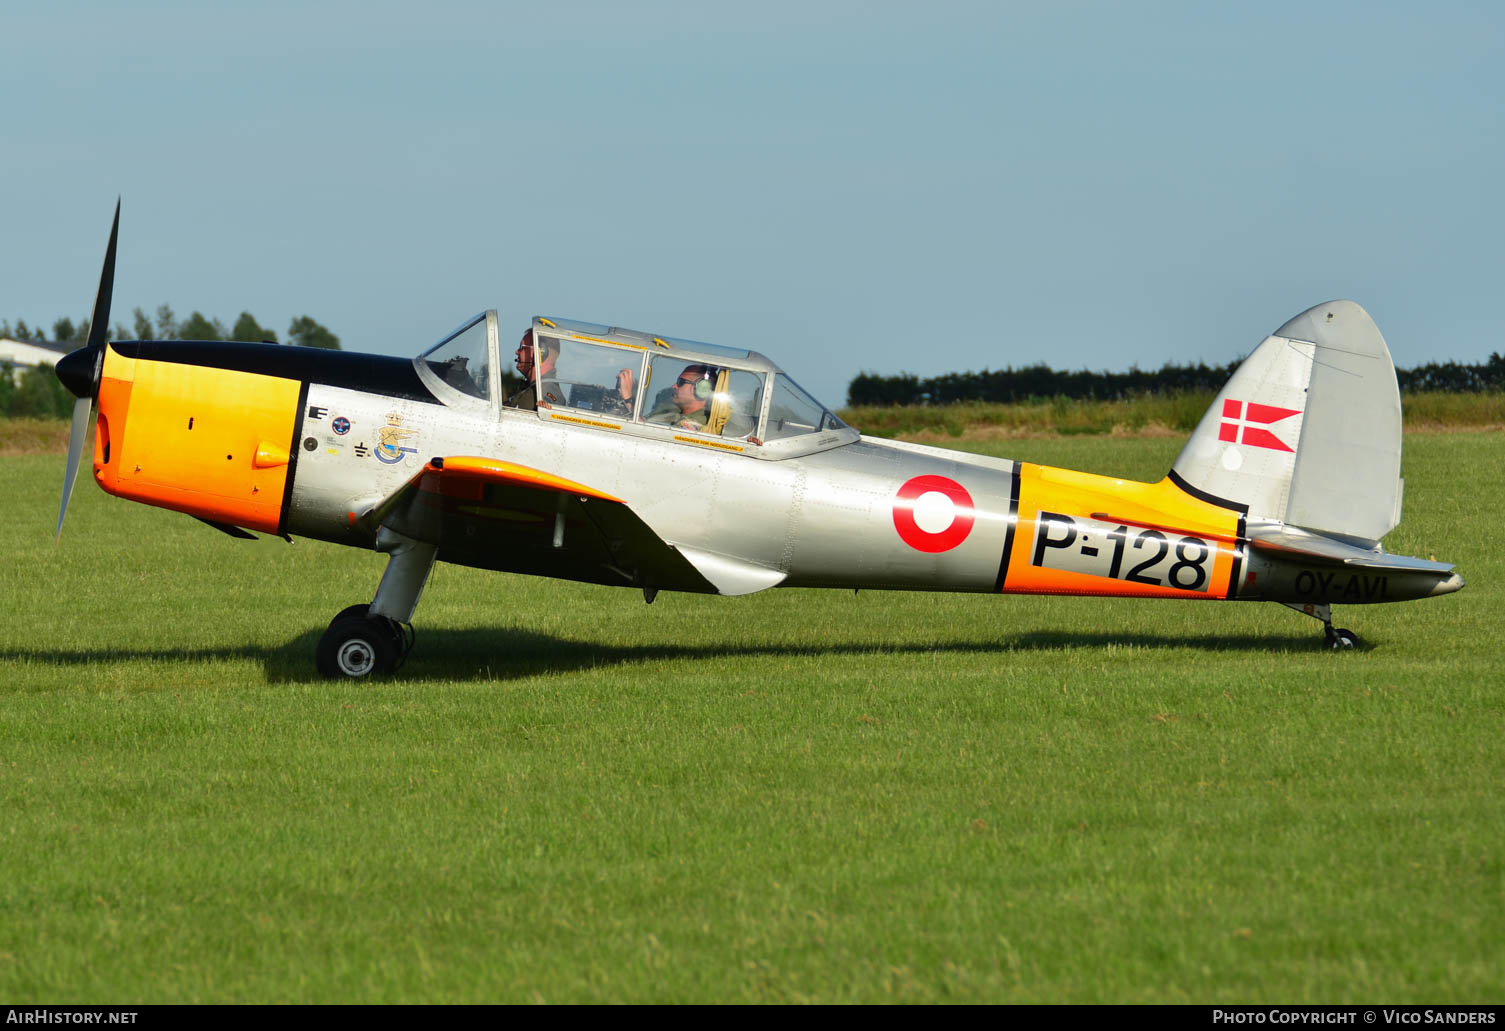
pixel 541 384
pixel 690 400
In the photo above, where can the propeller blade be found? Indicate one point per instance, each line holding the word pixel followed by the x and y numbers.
pixel 80 372
pixel 99 322
pixel 78 435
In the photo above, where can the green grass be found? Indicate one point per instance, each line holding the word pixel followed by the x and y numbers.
pixel 28 436
pixel 569 796
pixel 1442 410
pixel 1171 415
pixel 1061 415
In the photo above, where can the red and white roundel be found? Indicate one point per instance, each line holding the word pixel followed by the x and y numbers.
pixel 933 513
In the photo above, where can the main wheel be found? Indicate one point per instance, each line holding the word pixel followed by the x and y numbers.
pixel 360 611
pixel 357 646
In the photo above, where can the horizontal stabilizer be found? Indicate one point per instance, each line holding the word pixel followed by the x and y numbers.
pixel 1313 547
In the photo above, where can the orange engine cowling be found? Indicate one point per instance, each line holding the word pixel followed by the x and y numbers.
pixel 215 443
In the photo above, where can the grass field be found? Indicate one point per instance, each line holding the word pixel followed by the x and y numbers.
pixel 1172 415
pixel 568 796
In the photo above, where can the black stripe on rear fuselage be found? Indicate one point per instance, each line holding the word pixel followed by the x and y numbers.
pixel 1240 540
pixel 1008 537
pixel 373 373
pixel 1202 495
pixel 1241 543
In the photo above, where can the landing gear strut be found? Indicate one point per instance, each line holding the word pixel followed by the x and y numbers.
pixel 374 640
pixel 1336 638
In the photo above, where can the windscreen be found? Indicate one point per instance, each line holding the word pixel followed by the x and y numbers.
pixel 461 359
pixel 793 412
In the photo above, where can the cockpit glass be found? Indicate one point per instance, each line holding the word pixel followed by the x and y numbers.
pixel 702 397
pixel 737 404
pixel 793 412
pixel 461 359
pixel 591 377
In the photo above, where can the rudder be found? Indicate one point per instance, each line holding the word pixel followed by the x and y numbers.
pixel 1308 430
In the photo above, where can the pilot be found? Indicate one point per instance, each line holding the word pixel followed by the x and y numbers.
pixel 543 381
pixel 690 400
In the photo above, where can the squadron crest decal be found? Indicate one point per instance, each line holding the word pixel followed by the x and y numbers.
pixel 390 449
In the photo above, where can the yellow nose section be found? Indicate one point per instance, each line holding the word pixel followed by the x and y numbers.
pixel 210 442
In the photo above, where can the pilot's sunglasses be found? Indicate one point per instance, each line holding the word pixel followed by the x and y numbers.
pixel 682 382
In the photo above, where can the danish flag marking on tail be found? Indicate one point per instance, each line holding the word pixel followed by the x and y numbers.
pixel 1244 422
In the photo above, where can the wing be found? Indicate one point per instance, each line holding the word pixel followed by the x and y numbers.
pixel 498 515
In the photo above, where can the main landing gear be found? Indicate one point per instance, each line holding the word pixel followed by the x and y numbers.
pixel 1336 638
pixel 374 640
pixel 358 644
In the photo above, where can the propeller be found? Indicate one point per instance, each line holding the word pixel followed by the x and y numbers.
pixel 80 371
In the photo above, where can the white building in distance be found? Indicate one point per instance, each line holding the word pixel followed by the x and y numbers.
pixel 32 352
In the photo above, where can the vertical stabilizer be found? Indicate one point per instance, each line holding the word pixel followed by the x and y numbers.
pixel 1308 430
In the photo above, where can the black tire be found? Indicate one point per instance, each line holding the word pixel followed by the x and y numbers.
pixel 356 647
pixel 1339 639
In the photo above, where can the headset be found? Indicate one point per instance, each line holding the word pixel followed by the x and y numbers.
pixel 704 387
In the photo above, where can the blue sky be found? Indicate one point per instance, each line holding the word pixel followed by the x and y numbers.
pixel 843 186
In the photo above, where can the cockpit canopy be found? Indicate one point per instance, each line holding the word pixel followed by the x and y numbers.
pixel 463 360
pixel 618 379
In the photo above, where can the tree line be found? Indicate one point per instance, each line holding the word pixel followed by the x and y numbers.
pixel 302 331
pixel 35 391
pixel 1033 382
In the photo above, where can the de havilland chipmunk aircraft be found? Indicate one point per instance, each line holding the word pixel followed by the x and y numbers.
pixel 645 461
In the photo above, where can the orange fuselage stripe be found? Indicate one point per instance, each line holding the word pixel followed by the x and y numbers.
pixel 457 471
pixel 1130 503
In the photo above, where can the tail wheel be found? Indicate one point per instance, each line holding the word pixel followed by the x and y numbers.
pixel 1339 639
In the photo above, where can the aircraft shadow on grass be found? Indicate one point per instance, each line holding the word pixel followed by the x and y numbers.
pixel 502 654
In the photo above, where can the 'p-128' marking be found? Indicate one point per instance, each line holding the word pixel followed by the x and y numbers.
pixel 1078 545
